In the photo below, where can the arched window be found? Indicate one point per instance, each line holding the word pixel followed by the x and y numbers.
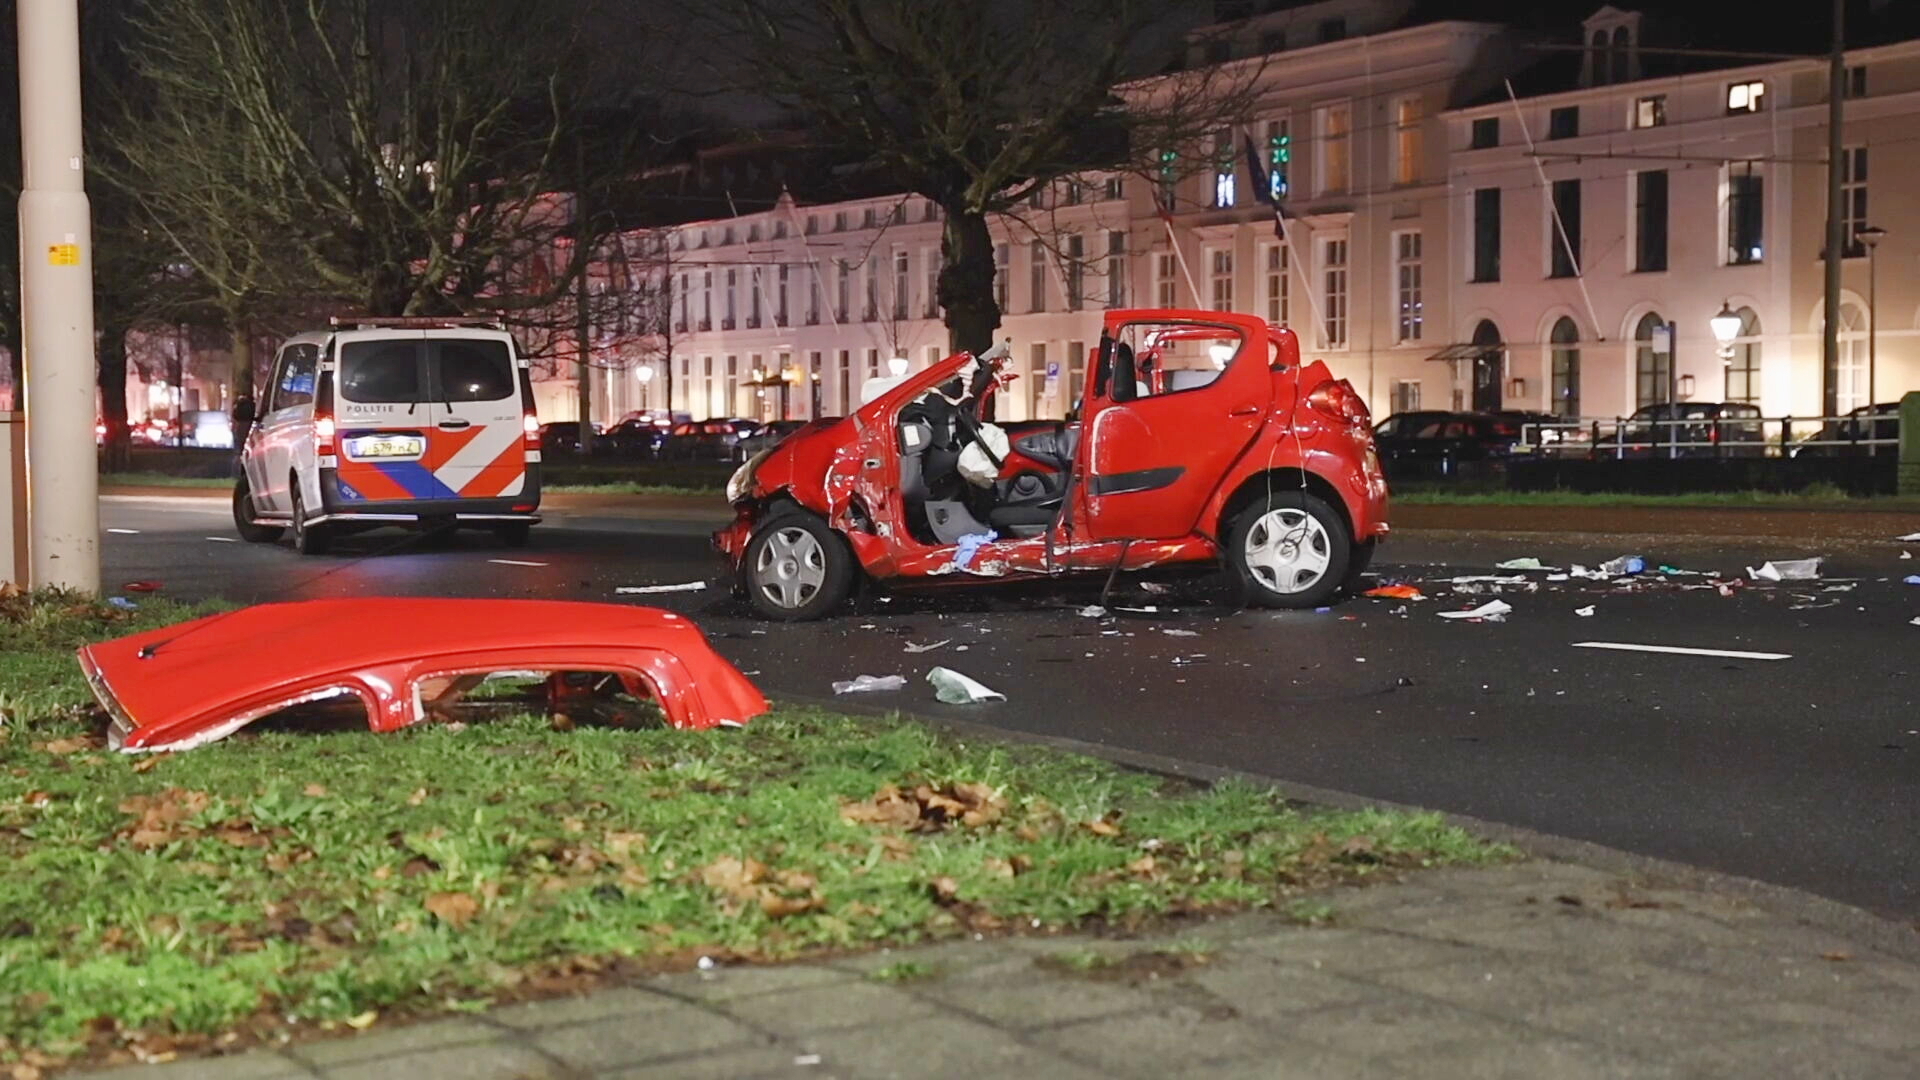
pixel 1849 377
pixel 1743 367
pixel 1487 366
pixel 1565 340
pixel 1652 370
pixel 1597 59
pixel 1620 73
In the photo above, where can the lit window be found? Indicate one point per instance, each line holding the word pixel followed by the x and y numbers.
pixel 1650 111
pixel 1223 193
pixel 1745 97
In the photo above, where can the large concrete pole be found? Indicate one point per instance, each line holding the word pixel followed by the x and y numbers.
pixel 56 303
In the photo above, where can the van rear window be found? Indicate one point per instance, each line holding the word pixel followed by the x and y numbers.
pixel 381 372
pixel 472 371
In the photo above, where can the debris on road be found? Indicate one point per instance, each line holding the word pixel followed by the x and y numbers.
pixel 969 546
pixel 1786 570
pixel 1906 554
pixel 1528 563
pixel 1490 579
pixel 642 590
pixel 1180 633
pixel 1731 654
pixel 142 586
pixel 1584 612
pixel 1491 611
pixel 1910 536
pixel 1913 579
pixel 1396 592
pixel 122 603
pixel 1674 571
pixel 956 689
pixel 861 684
pixel 1624 566
pixel 1093 611
pixel 912 648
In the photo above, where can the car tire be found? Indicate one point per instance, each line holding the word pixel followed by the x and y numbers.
pixel 243 522
pixel 796 568
pixel 1289 550
pixel 514 535
pixel 307 539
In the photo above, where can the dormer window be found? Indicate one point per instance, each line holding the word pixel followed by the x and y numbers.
pixel 1612 46
pixel 1745 97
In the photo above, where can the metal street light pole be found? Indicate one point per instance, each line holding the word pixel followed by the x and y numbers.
pixel 56 302
pixel 1836 230
pixel 1871 236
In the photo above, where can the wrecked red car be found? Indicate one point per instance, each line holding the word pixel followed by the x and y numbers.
pixel 189 684
pixel 1201 438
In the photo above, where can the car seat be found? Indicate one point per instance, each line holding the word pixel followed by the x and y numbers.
pixel 1026 504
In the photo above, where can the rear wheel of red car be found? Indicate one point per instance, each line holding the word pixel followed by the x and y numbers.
pixel 243 516
pixel 307 539
pixel 1289 550
pixel 797 568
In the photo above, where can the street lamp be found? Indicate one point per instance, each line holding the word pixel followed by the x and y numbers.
pixel 644 373
pixel 1726 327
pixel 1871 236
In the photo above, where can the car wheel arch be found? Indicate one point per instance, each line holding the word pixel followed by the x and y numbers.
pixel 1286 477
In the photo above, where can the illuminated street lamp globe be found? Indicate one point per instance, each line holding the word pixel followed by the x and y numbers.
pixel 1726 327
pixel 644 373
pixel 898 366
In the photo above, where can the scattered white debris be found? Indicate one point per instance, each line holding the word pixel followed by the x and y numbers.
pixel 1093 611
pixel 1557 577
pixel 1681 650
pixel 1839 588
pixel 1915 621
pixel 1593 575
pixel 1906 554
pixel 515 562
pixel 124 532
pixel 1359 659
pixel 1181 633
pixel 1584 612
pixel 1909 537
pixel 864 683
pixel 1148 610
pixel 1786 570
pixel 641 590
pixel 1155 588
pixel 912 648
pixel 706 963
pixel 1492 579
pixel 956 689
pixel 806 1059
pixel 1528 563
pixel 1625 565
pixel 1491 611
pixel 223 539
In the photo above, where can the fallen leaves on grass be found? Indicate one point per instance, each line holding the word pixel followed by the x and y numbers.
pixel 746 881
pixel 456 909
pixel 927 808
pixel 69 746
pixel 161 816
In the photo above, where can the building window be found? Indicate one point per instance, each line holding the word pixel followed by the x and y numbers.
pixel 1409 309
pixel 1564 122
pixel 1853 198
pixel 845 373
pixel 1856 82
pixel 869 217
pixel 1332 29
pixel 780 298
pixel 933 355
pixel 1114 188
pixel 931 258
pixel 1274 291
pixel 1849 376
pixel 1486 234
pixel 1652 370
pixel 813 296
pixel 1650 220
pixel 1076 371
pixel 1597 60
pixel 1168 178
pixel 1565 229
pixel 1036 276
pixel 1745 213
pixel 730 401
pixel 873 363
pixel 1486 133
pixel 1075 193
pixel 779 230
pixel 1565 391
pixel 1116 268
pixel 681 317
pixel 1223 185
pixel 1333 127
pixel 1220 279
pixel 1743 368
pixel 813 225
pixel 727 313
pixel 1650 111
pixel 1164 287
pixel 1002 275
pixel 1406 395
pixel 1333 262
pixel 870 310
pixel 902 283
pixel 843 300
pixel 1076 271
pixel 1406 141
pixel 1039 376
pixel 1745 97
pixel 839 221
pixel 753 297
pixel 1622 60
pixel 1279 157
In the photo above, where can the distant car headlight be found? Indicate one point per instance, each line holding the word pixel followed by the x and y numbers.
pixel 742 480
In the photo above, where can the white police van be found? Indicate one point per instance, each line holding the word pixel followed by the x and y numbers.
pixel 414 422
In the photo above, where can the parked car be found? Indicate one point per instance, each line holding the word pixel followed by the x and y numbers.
pixel 708 440
pixel 636 437
pixel 1436 444
pixel 407 421
pixel 1849 437
pixel 562 438
pixel 769 436
pixel 1202 439
pixel 1687 429
pixel 208 428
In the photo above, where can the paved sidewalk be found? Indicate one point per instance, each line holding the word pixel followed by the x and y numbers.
pixel 1539 970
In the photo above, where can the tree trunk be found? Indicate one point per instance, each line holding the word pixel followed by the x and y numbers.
pixel 966 281
pixel 118 451
pixel 240 376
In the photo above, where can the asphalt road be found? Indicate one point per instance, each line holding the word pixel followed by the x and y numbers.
pixel 1803 772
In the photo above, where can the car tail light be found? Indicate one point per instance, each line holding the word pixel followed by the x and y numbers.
pixel 1337 399
pixel 523 508
pixel 323 436
pixel 530 424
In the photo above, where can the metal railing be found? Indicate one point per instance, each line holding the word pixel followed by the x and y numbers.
pixel 1781 436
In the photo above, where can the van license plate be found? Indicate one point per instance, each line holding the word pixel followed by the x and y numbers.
pixel 377 446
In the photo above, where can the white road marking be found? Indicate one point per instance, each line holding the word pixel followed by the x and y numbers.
pixel 223 539
pixel 515 562
pixel 1732 654
pixel 125 532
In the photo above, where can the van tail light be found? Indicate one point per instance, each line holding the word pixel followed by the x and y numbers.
pixel 530 425
pixel 1337 399
pixel 323 436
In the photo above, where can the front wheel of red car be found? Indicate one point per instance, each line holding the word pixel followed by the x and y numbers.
pixel 1289 550
pixel 797 568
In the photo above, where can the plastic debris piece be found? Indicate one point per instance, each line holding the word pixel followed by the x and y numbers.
pixel 1674 571
pixel 864 683
pixel 1321 610
pixel 1148 610
pixel 912 648
pixel 1557 577
pixel 806 1059
pixel 122 603
pixel 969 546
pixel 1494 579
pixel 1915 621
pixel 642 590
pixel 1155 588
pixel 1906 554
pixel 1909 536
pixel 1786 570
pixel 142 586
pixel 1579 571
pixel 1528 563
pixel 706 963
pixel 956 689
pixel 1584 612
pixel 1913 579
pixel 1093 611
pixel 1491 611
pixel 1624 566
pixel 1847 587
pixel 1181 633
pixel 1396 592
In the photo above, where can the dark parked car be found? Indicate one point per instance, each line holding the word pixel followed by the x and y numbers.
pixel 636 438
pixel 1688 429
pixel 1848 437
pixel 562 437
pixel 770 436
pixel 708 440
pixel 1415 445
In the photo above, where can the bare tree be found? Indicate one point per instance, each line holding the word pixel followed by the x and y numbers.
pixel 972 105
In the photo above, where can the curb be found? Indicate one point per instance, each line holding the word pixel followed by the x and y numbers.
pixel 1879 932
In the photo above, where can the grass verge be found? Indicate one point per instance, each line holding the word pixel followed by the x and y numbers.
pixel 1821 497
pixel 286 880
pixel 159 479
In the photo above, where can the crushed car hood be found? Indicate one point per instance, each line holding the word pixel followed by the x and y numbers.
pixel 194 682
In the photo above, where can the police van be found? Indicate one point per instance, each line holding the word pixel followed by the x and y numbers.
pixel 410 422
